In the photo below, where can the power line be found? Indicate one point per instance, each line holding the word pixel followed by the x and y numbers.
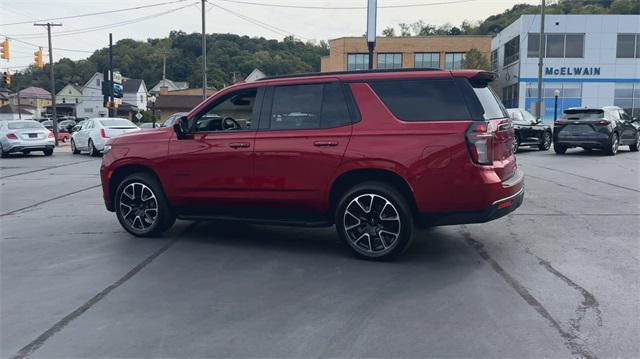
pixel 316 7
pixel 103 27
pixel 258 23
pixel 94 13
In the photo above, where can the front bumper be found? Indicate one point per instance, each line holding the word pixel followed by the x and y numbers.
pixel 499 208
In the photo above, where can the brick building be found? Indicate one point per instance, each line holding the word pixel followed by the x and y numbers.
pixel 447 52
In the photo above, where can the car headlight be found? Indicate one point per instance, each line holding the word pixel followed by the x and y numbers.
pixel 106 149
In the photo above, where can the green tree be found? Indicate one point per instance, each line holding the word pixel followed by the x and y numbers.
pixel 474 59
pixel 389 32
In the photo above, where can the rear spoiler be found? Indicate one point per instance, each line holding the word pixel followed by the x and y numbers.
pixel 482 78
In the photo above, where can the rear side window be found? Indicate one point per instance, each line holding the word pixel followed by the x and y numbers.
pixel 309 107
pixel 492 106
pixel 423 99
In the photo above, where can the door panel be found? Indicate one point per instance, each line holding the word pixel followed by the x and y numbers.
pixel 292 168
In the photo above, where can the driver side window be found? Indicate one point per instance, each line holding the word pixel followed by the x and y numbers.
pixel 233 112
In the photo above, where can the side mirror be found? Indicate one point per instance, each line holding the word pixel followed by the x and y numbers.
pixel 181 127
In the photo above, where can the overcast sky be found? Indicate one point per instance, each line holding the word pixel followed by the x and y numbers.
pixel 154 22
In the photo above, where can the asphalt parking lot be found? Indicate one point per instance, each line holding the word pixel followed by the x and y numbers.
pixel 558 278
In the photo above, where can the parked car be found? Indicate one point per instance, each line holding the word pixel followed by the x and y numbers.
pixel 95 132
pixel 25 136
pixel 374 152
pixel 529 131
pixel 48 124
pixel 169 121
pixel 605 128
pixel 66 125
pixel 63 135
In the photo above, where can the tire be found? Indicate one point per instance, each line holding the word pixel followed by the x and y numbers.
pixel 612 145
pixel 516 144
pixel 2 153
pixel 545 142
pixel 142 222
pixel 635 147
pixel 559 149
pixel 74 149
pixel 93 152
pixel 365 238
pixel 48 152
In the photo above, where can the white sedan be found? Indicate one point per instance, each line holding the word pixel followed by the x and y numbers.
pixel 95 132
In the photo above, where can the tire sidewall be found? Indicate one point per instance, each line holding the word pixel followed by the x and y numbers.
pixel 164 213
pixel 544 146
pixel 74 149
pixel 393 196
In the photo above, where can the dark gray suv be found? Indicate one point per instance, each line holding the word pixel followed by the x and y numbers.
pixel 604 128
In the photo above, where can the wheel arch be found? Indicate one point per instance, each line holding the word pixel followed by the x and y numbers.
pixel 121 172
pixel 352 177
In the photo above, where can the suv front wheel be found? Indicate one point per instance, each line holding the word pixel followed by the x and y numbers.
pixel 374 219
pixel 141 206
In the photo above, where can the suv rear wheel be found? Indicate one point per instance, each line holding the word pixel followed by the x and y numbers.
pixel 559 149
pixel 374 219
pixel 612 147
pixel 141 206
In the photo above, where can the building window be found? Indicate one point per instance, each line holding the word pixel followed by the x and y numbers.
pixel 454 60
pixel 77 100
pixel 627 96
pixel 357 62
pixel 64 100
pixel 389 61
pixel 512 51
pixel 98 82
pixel 427 60
pixel 510 95
pixel 628 46
pixel 494 60
pixel 570 96
pixel 556 45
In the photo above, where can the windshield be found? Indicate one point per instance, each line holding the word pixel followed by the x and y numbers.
pixel 528 116
pixel 117 123
pixel 24 124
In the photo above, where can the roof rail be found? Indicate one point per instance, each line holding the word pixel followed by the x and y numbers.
pixel 375 71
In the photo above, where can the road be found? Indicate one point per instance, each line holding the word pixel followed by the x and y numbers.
pixel 558 278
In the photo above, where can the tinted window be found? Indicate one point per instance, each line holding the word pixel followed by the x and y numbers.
pixel 626 46
pixel 533 46
pixel 512 50
pixel 555 45
pixel 389 61
pixel 422 100
pixel 357 62
pixel 583 114
pixel 334 107
pixel 427 59
pixel 492 107
pixel 574 45
pixel 296 107
pixel 23 125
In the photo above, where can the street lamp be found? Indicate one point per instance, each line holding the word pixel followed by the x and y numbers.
pixel 556 93
pixel 152 99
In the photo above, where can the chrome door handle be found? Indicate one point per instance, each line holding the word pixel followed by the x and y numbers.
pixel 325 143
pixel 239 145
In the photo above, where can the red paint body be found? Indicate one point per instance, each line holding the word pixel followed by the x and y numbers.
pixel 287 170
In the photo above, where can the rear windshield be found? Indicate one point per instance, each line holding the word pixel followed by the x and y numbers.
pixel 492 107
pixel 23 125
pixel 586 114
pixel 422 99
pixel 117 123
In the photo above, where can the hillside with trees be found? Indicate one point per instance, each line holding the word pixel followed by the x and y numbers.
pixel 226 54
pixel 229 54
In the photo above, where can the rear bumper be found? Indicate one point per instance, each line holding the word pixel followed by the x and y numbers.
pixel 21 148
pixel 499 208
pixel 595 140
pixel 508 196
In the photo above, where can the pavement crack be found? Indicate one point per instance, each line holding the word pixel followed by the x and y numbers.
pixel 589 178
pixel 570 339
pixel 34 345
pixel 47 200
pixel 589 301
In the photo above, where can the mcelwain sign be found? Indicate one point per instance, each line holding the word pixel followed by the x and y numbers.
pixel 572 71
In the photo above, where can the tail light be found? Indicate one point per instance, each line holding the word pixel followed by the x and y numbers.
pixel 559 123
pixel 12 136
pixel 103 133
pixel 480 138
pixel 601 122
pixel 50 134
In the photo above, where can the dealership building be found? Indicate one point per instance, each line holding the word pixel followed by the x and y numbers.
pixel 593 60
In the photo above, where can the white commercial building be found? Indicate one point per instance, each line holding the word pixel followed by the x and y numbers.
pixel 593 60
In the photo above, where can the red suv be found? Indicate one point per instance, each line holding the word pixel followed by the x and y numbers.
pixel 375 153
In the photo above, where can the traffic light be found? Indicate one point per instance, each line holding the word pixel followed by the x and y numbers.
pixel 37 58
pixel 6 79
pixel 4 50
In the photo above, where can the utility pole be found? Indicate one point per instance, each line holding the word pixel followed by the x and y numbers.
pixel 53 83
pixel 164 68
pixel 204 56
pixel 541 54
pixel 372 10
pixel 111 99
